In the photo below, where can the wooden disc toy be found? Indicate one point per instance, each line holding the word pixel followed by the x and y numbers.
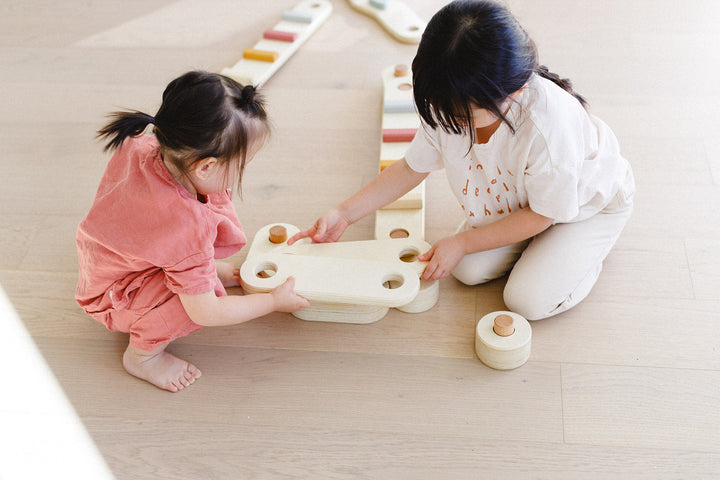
pixel 395 16
pixel 502 340
pixel 279 43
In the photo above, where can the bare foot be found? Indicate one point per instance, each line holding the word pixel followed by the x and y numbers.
pixel 160 368
pixel 228 274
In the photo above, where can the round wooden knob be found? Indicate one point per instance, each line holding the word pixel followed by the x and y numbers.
pixel 401 70
pixel 278 234
pixel 503 325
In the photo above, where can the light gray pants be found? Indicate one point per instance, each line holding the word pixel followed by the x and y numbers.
pixel 553 271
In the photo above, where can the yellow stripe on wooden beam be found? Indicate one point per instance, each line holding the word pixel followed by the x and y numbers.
pixel 262 55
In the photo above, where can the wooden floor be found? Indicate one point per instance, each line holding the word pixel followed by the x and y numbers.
pixel 626 385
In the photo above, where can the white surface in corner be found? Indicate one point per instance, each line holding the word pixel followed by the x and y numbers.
pixel 41 436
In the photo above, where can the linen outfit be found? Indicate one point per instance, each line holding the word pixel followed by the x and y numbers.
pixel 145 240
pixel 563 163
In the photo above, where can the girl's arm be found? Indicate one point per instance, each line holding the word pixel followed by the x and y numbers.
pixel 392 183
pixel 211 311
pixel 447 252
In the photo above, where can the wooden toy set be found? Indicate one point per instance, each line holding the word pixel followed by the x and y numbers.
pixel 279 43
pixel 348 282
pixel 358 282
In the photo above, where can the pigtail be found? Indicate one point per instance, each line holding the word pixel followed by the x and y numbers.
pixel 563 83
pixel 123 125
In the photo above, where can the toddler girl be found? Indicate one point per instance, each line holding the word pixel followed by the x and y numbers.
pixel 163 213
pixel 541 181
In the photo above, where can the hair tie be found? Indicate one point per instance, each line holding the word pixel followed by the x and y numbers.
pixel 248 94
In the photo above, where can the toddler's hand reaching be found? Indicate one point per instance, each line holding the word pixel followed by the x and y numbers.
pixel 228 274
pixel 285 298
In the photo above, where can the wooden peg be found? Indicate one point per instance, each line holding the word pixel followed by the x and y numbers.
pixel 278 234
pixel 503 325
pixel 401 70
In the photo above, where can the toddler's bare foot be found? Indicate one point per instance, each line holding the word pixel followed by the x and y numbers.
pixel 160 368
pixel 228 274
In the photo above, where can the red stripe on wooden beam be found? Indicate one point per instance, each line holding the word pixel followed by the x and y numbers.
pixel 392 135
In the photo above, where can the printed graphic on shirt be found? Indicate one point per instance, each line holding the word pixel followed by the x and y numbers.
pixel 488 193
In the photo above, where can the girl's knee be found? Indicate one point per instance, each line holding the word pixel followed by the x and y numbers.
pixel 469 276
pixel 530 302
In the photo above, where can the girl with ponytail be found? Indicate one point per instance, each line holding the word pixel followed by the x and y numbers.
pixel 163 213
pixel 541 182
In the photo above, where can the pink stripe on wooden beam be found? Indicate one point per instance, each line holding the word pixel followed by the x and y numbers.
pixel 271 34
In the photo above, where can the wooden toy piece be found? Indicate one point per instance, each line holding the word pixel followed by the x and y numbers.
pixel 502 340
pixel 395 135
pixel 400 122
pixel 503 325
pixel 261 55
pixel 277 234
pixel 400 223
pixel 263 244
pixel 269 249
pixel 333 280
pixel 271 34
pixel 403 251
pixel 396 17
pixel 399 117
pixel 426 298
pixel 279 43
pixel 341 313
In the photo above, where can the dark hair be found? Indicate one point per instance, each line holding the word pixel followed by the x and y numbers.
pixel 202 115
pixel 473 53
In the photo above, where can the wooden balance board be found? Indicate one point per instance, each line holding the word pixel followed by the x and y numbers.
pixel 400 122
pixel 279 43
pixel 348 282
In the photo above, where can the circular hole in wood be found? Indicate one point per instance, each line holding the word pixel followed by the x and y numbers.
pixel 409 255
pixel 399 233
pixel 392 282
pixel 266 270
pixel 414 28
pixel 404 86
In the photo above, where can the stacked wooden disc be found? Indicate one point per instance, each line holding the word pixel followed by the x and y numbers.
pixel 502 340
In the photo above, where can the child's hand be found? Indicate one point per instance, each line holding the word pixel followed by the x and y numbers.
pixel 228 274
pixel 442 258
pixel 285 298
pixel 327 228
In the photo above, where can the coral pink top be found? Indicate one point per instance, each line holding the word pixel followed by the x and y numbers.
pixel 142 223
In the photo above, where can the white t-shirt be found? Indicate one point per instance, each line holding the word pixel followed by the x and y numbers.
pixel 562 162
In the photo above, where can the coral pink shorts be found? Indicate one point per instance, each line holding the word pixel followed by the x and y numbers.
pixel 154 316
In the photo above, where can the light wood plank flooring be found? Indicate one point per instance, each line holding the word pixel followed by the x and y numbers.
pixel 626 385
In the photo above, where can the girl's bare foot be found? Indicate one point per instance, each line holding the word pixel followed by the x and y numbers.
pixel 160 368
pixel 228 274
